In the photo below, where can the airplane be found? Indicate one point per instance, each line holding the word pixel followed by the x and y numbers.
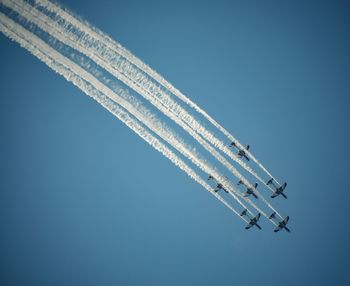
pixel 250 191
pixel 210 178
pixel 279 190
pixel 218 186
pixel 253 221
pixel 241 152
pixel 281 224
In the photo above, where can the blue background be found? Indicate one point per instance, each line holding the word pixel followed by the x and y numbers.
pixel 84 201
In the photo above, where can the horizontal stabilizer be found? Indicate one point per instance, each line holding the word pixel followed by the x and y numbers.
pixel 269 181
pixel 273 215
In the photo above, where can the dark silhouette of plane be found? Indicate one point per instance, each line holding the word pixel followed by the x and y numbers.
pixel 253 221
pixel 241 152
pixel 281 224
pixel 278 189
pixel 250 191
pixel 219 186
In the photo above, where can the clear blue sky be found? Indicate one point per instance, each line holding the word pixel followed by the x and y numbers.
pixel 84 201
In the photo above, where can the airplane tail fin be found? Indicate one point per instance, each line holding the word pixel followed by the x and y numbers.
pixel 247 148
pixel 269 181
pixel 243 212
pixel 272 215
pixel 240 182
pixel 233 144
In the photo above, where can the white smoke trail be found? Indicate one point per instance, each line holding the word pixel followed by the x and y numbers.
pixel 160 131
pixel 106 49
pixel 50 57
pixel 45 26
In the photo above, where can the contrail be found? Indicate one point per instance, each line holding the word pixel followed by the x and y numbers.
pixel 44 23
pixel 106 49
pixel 82 72
pixel 49 56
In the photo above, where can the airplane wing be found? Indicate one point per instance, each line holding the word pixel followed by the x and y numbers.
pixel 274 195
pixel 277 229
pixel 249 226
pixel 284 186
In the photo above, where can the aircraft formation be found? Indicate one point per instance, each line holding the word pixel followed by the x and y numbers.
pixel 251 190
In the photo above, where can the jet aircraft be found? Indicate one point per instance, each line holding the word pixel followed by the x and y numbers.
pixel 281 224
pixel 253 221
pixel 250 191
pixel 278 189
pixel 241 152
pixel 219 186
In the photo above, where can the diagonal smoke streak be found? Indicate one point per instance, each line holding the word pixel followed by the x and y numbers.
pixel 49 25
pixel 160 132
pixel 50 56
pixel 116 57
